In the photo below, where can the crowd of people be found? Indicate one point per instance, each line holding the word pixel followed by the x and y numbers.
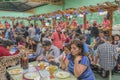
pixel 68 48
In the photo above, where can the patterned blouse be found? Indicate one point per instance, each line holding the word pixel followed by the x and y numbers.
pixel 5 62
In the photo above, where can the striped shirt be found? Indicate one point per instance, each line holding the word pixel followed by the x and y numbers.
pixel 107 53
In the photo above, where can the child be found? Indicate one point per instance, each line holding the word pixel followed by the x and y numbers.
pixel 63 56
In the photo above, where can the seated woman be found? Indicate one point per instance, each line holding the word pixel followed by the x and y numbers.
pixel 5 47
pixel 77 63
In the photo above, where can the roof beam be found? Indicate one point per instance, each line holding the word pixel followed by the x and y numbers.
pixel 56 2
pixel 15 7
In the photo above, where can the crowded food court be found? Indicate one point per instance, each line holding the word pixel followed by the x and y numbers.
pixel 59 39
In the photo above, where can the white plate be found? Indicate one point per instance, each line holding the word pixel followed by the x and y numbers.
pixel 62 74
pixel 32 75
pixel 15 71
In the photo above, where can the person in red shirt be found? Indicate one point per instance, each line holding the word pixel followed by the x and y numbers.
pixel 87 25
pixel 5 47
pixel 7 25
pixel 73 24
pixel 106 23
pixel 1 25
pixel 58 38
pixel 67 38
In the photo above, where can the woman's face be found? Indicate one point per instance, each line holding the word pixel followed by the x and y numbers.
pixel 101 35
pixel 66 50
pixel 33 42
pixel 75 50
pixel 116 38
pixel 47 48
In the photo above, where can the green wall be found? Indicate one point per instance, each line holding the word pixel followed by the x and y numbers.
pixel 47 8
pixel 80 3
pixel 68 4
pixel 76 4
pixel 14 14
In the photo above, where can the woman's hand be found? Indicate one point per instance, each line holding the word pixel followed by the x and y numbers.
pixel 50 57
pixel 77 59
pixel 39 58
pixel 21 47
pixel 51 60
pixel 103 39
pixel 78 67
pixel 61 59
pixel 93 63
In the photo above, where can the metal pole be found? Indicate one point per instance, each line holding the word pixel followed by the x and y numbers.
pixel 110 75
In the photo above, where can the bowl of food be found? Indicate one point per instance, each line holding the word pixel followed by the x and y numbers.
pixel 45 64
pixel 42 65
pixel 55 68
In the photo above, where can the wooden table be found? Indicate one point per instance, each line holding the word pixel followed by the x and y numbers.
pixel 19 76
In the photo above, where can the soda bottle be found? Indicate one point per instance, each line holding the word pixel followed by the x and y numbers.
pixel 24 61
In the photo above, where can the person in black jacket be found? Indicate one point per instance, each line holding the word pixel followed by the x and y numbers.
pixel 94 30
pixel 78 30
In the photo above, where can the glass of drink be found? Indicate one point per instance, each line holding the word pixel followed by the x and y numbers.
pixel 51 71
pixel 42 66
pixel 25 63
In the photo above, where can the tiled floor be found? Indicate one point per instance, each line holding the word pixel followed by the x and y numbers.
pixel 114 77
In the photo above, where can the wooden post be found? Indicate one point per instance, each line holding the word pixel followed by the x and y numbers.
pixel 43 23
pixel 13 22
pixel 29 22
pixel 34 22
pixel 85 21
pixel 111 21
pixel 67 24
pixel 54 23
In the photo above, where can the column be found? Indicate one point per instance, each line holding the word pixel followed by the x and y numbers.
pixel 111 21
pixel 85 21
pixel 13 20
pixel 34 22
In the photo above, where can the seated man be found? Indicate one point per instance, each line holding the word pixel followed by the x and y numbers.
pixel 107 55
pixel 50 52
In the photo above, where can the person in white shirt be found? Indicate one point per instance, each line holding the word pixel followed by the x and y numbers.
pixel 31 31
